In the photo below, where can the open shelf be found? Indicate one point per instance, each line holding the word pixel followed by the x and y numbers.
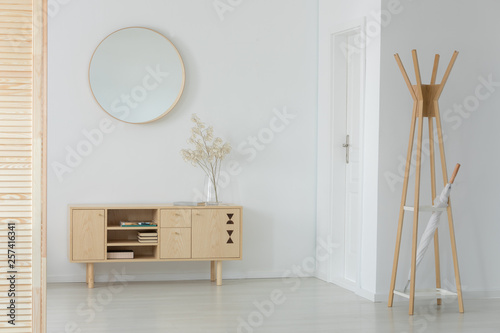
pixel 142 251
pixel 128 242
pixel 125 238
pixel 115 216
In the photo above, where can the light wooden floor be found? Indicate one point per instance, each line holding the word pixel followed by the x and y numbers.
pixel 305 305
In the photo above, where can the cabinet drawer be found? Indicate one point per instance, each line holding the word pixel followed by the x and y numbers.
pixel 175 243
pixel 175 218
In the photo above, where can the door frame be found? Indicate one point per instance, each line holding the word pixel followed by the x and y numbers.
pixel 325 204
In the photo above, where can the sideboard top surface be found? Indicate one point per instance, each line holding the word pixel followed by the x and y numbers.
pixel 148 206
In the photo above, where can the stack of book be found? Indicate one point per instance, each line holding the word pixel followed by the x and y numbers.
pixel 137 224
pixel 147 237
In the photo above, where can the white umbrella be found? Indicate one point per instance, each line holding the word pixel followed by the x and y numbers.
pixel 441 201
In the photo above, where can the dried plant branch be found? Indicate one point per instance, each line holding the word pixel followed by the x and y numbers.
pixel 208 151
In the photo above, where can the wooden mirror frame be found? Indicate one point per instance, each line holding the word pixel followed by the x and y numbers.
pixel 166 109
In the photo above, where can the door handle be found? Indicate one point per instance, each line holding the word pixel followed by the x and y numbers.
pixel 346 145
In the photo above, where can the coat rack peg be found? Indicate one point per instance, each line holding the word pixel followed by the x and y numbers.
pixel 417 72
pixel 405 76
pixel 435 69
pixel 447 74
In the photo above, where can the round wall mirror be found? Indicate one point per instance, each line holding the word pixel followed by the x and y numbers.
pixel 136 75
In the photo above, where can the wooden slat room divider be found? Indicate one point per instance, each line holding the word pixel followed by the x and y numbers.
pixel 22 160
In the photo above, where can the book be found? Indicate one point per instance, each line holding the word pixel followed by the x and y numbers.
pixel 147 234
pixel 120 254
pixel 148 240
pixel 137 224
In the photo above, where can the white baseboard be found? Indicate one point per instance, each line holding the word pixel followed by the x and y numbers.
pixel 366 294
pixel 345 284
pixel 351 287
pixel 321 275
pixel 165 276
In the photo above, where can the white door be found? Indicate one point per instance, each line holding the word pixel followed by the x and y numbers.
pixel 346 157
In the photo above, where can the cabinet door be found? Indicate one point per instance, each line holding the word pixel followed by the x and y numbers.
pixel 88 234
pixel 175 243
pixel 216 233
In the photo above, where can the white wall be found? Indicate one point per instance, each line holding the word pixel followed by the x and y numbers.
pixel 261 57
pixel 333 17
pixel 472 136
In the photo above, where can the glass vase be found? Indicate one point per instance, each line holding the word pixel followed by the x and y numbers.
pixel 211 191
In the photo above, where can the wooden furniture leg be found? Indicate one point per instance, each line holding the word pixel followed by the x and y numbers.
pixel 450 215
pixel 401 209
pixel 212 270
pixel 90 275
pixel 433 193
pixel 455 259
pixel 219 273
pixel 416 208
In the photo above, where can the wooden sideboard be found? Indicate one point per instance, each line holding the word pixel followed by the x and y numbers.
pixel 185 233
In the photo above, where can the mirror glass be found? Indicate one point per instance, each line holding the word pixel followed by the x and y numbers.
pixel 136 75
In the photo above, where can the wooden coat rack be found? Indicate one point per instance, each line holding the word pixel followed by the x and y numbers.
pixel 425 105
